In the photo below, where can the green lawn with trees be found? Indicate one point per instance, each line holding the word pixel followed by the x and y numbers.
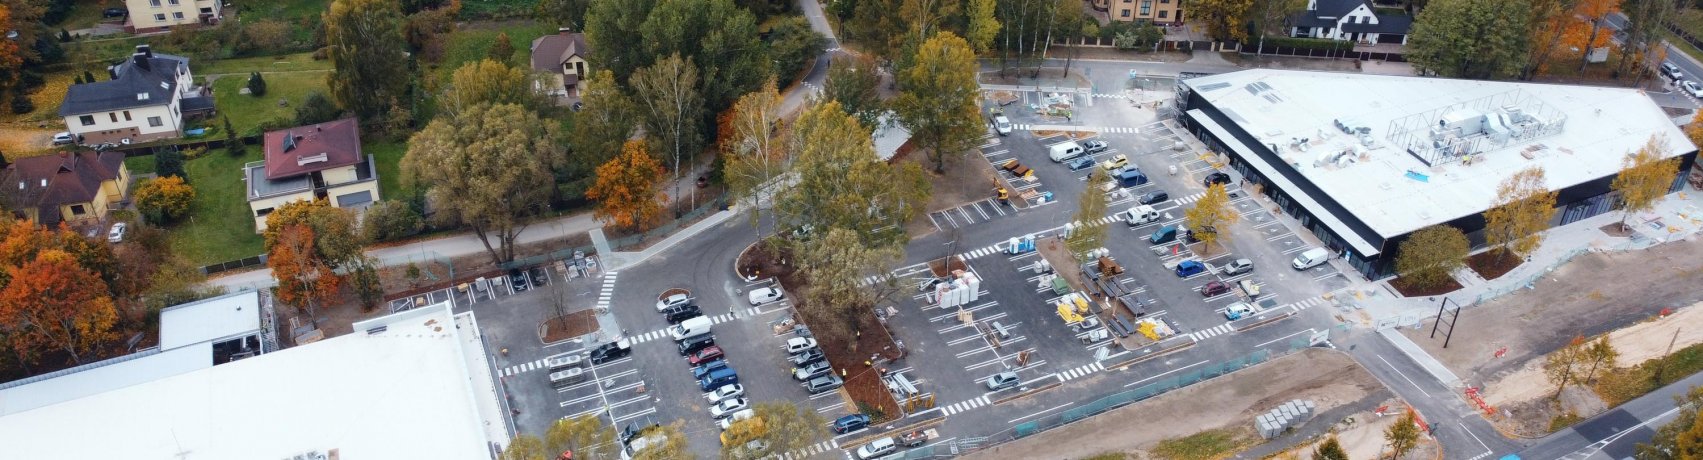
pixel 218 228
pixel 264 64
pixel 250 114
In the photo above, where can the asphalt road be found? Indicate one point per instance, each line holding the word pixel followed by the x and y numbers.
pixel 1613 434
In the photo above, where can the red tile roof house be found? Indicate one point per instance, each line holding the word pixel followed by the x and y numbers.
pixel 562 60
pixel 314 162
pixel 75 188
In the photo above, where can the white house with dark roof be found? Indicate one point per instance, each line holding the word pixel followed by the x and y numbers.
pixel 561 58
pixel 144 99
pixel 1351 20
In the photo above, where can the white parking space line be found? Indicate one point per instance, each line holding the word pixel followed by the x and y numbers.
pixel 1162 374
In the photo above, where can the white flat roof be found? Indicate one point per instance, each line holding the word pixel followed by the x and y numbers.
pixel 404 393
pixel 210 319
pixel 1601 126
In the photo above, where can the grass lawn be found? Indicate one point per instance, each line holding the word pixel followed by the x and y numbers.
pixel 472 44
pixel 284 9
pixel 243 66
pixel 46 100
pixel 85 13
pixel 248 112
pixel 387 158
pixel 140 164
pixel 219 228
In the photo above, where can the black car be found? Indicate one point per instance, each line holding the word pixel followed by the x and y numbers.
pixel 678 313
pixel 1216 177
pixel 806 358
pixel 114 12
pixel 638 427
pixel 692 345
pixel 1157 196
pixel 1091 147
pixel 539 276
pixel 611 351
pixel 518 280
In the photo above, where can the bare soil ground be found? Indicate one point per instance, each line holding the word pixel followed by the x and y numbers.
pixel 968 178
pixel 1328 378
pixel 1592 295
pixel 1492 264
pixel 569 326
pixel 1407 291
pixel 19 141
pixel 1362 436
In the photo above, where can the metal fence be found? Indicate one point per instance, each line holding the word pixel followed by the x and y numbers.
pixel 1529 279
pixel 233 265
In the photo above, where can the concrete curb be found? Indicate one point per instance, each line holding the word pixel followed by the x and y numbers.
pixel 1418 355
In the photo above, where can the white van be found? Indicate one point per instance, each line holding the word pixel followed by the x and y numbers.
pixel 1140 215
pixel 1311 258
pixel 1065 151
pixel 690 328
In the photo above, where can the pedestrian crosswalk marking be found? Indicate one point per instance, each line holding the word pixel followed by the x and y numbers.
pixel 965 405
pixel 813 449
pixel 1098 129
pixel 607 293
pixel 1080 371
pixel 1216 330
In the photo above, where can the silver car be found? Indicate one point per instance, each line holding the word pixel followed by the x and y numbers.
pixel 1002 381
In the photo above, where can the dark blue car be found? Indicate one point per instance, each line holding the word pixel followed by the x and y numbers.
pixel 1080 163
pixel 1189 268
pixel 850 423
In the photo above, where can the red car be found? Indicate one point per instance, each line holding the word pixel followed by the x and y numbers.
pixel 705 355
pixel 1214 288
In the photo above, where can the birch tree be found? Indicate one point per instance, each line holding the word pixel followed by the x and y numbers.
pixel 1524 205
pixel 755 159
pixel 1644 178
pixel 667 95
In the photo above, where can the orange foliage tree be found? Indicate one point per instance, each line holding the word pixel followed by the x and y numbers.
pixel 51 302
pixel 11 62
pixel 628 188
pixel 304 279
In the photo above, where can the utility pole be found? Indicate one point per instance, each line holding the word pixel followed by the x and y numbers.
pixel 1664 366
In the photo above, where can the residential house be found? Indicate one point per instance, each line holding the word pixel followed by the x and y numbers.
pixel 1154 11
pixel 161 15
pixel 314 162
pixel 75 188
pixel 562 60
pixel 1351 20
pixel 145 98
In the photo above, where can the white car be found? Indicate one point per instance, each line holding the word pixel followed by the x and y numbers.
pixel 737 416
pixel 726 391
pixel 116 234
pixel 63 138
pixel 799 344
pixel 877 448
pixel 727 408
pixel 1002 125
pixel 1693 88
pixel 765 295
pixel 672 301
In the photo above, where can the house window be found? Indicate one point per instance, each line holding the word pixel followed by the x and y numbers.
pixel 127 115
pixel 1146 7
pixel 173 2
pixel 88 120
pixel 263 212
pixel 154 3
pixel 154 122
pixel 1163 13
pixel 114 116
pixel 77 210
pixel 1125 13
pixel 161 17
pixel 210 10
pixel 354 199
pixel 177 15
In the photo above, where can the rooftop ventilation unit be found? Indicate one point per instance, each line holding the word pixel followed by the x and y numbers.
pixel 315 158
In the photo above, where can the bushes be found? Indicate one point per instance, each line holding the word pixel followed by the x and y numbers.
pixel 389 220
pixel 165 199
pixel 1626 384
pixel 256 84
pixel 1318 44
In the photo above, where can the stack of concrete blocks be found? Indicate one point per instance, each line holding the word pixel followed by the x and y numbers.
pixel 1292 413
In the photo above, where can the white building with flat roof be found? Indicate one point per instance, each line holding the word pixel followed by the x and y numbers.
pixel 410 385
pixel 1364 160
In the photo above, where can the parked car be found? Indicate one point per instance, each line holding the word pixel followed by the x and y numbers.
pixel 1671 71
pixel 799 344
pixel 64 138
pixel 1002 125
pixel 1080 163
pixel 1189 268
pixel 1115 162
pixel 810 371
pixel 673 301
pixel 1217 177
pixel 611 351
pixel 709 353
pixel 638 427
pixel 1002 380
pixel 1237 267
pixel 725 392
pixel 1094 146
pixel 694 344
pixel 116 233
pixel 517 279
pixel 823 383
pixel 765 295
pixel 1154 197
pixel 876 449
pixel 913 439
pixel 737 416
pixel 1139 215
pixel 806 357
pixel 1214 288
pixel 539 276
pixel 850 423
pixel 114 12
pixel 1237 310
pixel 706 368
pixel 728 407
pixel 1163 235
pixel 678 313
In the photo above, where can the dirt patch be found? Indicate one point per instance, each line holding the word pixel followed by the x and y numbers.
pixel 1616 230
pixel 1409 291
pixel 1362 436
pixel 569 326
pixel 968 178
pixel 1328 378
pixel 1534 418
pixel 945 266
pixel 20 142
pixel 1493 264
pixel 1592 295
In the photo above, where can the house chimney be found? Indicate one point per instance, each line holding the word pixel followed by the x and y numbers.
pixel 141 60
pixel 145 50
pixel 112 72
